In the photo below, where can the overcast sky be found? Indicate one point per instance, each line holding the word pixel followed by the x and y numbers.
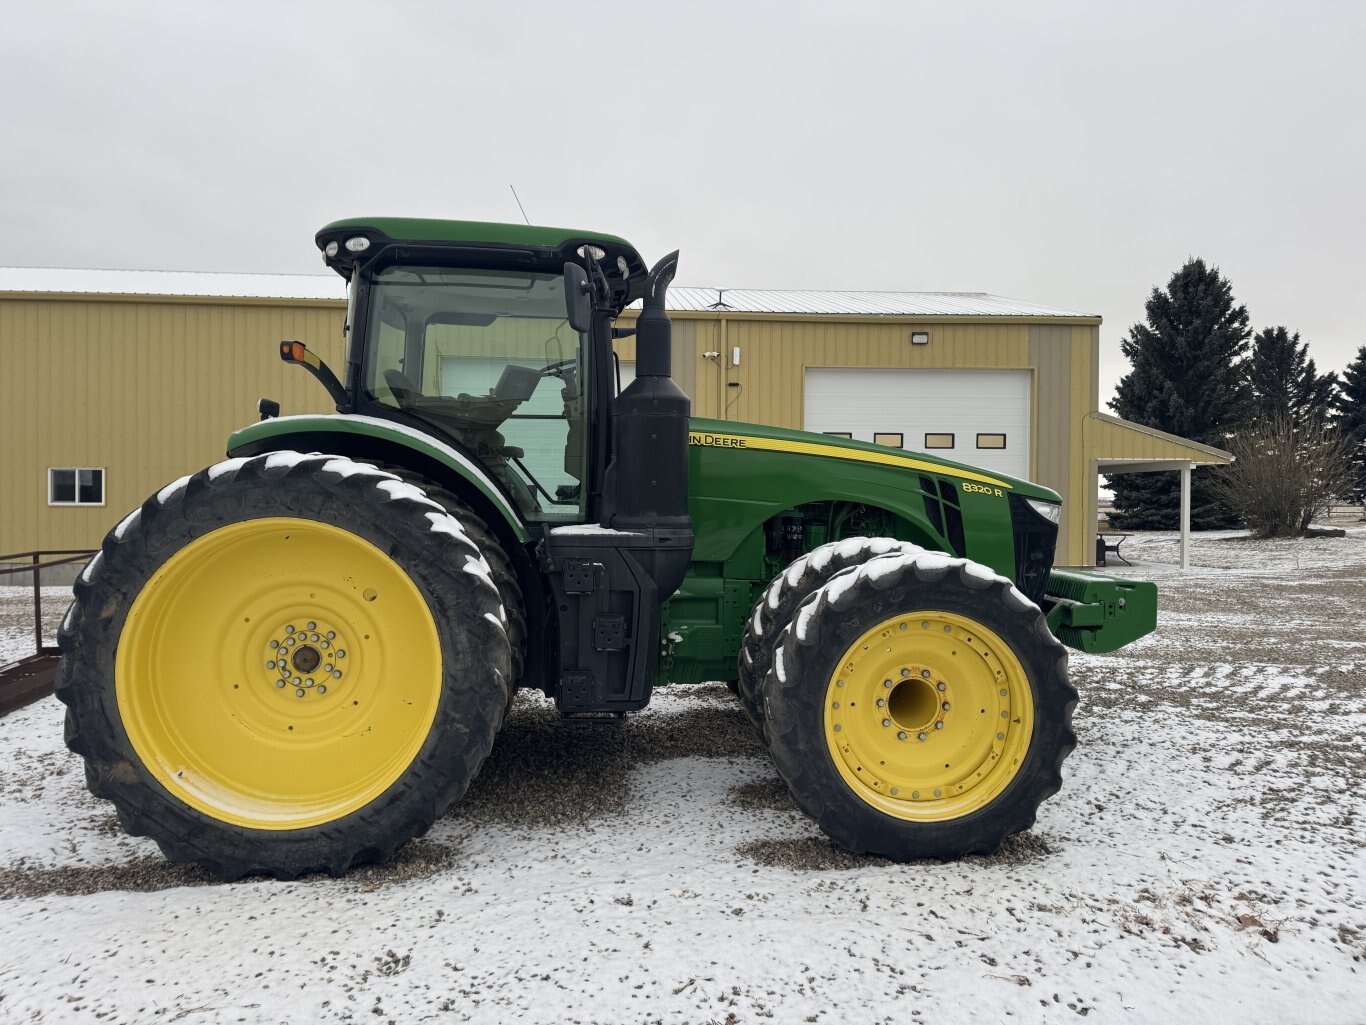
pixel 1072 154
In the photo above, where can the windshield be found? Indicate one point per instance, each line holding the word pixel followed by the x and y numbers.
pixel 486 358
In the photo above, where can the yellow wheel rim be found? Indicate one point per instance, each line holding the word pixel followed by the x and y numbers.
pixel 278 673
pixel 928 716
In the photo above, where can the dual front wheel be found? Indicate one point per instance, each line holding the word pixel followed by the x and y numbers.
pixel 287 664
pixel 916 705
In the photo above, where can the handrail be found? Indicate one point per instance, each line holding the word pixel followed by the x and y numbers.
pixel 36 567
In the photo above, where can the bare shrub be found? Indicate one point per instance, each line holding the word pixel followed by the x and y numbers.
pixel 1285 475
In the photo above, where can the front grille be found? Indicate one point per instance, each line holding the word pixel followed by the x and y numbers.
pixel 1036 539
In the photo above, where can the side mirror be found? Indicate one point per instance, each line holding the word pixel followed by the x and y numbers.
pixel 578 302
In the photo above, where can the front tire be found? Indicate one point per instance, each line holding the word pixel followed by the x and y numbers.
pixel 780 601
pixel 919 708
pixel 284 664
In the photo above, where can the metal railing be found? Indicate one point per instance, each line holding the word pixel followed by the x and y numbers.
pixel 36 567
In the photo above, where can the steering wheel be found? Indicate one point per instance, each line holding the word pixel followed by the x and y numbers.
pixel 558 369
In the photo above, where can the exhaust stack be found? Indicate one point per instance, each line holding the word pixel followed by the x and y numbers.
pixel 648 477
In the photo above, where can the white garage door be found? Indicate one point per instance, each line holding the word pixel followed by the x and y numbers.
pixel 979 417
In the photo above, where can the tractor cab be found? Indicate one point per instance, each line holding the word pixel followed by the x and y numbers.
pixel 471 341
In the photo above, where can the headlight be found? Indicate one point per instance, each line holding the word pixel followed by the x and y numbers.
pixel 1051 511
pixel 358 244
pixel 331 248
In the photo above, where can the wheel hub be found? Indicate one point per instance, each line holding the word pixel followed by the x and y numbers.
pixel 306 657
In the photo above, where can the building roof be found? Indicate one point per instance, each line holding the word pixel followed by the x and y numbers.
pixel 171 282
pixel 873 304
pixel 49 280
pixel 1118 444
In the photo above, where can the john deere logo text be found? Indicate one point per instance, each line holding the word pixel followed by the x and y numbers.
pixel 715 440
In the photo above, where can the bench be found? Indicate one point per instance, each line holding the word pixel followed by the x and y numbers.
pixel 1108 544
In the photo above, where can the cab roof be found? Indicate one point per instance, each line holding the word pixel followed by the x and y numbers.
pixel 550 247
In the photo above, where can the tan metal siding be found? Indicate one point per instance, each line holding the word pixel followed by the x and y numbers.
pixel 149 390
pixel 1050 350
pixel 1080 541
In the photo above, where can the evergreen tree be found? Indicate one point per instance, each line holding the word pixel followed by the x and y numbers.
pixel 1189 378
pixel 1285 381
pixel 1350 404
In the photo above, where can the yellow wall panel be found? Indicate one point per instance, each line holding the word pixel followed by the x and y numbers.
pixel 148 390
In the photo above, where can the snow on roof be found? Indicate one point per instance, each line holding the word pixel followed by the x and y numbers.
pixel 172 282
pixel 885 304
pixel 681 298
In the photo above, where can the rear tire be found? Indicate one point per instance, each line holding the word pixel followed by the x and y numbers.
pixel 779 603
pixel 200 732
pixel 500 565
pixel 919 708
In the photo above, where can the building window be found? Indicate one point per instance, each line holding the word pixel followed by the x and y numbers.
pixel 991 441
pixel 892 439
pixel 75 486
pixel 939 441
pixel 838 434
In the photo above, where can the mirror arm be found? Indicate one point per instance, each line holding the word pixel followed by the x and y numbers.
pixel 298 354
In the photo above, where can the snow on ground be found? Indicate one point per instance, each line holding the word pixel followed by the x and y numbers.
pixel 1204 862
pixel 16 619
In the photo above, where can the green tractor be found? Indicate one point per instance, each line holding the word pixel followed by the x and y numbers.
pixel 297 659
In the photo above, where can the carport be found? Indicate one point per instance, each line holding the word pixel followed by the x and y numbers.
pixel 1114 445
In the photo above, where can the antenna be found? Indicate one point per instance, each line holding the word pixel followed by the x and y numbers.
pixel 720 303
pixel 519 205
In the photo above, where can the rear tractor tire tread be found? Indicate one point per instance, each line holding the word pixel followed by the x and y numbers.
pixel 433 547
pixel 504 576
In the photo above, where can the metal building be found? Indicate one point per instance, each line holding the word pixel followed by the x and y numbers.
pixel 113 383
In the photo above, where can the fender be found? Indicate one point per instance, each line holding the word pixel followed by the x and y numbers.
pixel 284 431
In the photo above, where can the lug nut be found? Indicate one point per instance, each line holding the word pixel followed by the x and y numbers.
pixel 341 653
pixel 336 674
pixel 886 722
pixel 925 673
pixel 331 634
pixel 905 673
pixel 270 664
pixel 901 735
pixel 299 693
pixel 279 683
pixel 322 689
pixel 945 706
pixel 939 687
pixel 939 725
pixel 921 735
pixel 311 625
pixel 289 629
pixel 880 702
